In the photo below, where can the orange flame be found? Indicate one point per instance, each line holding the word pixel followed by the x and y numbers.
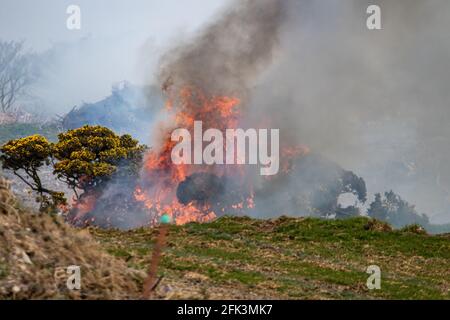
pixel 161 179
pixel 83 206
pixel 289 154
pixel 186 107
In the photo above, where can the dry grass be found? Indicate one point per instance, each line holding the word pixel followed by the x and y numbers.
pixel 36 249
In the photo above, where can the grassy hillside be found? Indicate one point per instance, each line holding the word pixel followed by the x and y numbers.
pixel 290 258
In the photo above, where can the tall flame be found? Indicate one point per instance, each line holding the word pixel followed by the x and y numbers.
pixel 162 177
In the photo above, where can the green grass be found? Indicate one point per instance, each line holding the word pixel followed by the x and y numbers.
pixel 20 130
pixel 295 258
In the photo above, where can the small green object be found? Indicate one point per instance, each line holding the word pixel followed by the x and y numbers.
pixel 165 219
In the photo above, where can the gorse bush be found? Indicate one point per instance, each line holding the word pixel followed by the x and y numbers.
pixel 85 159
pixel 89 156
pixel 24 157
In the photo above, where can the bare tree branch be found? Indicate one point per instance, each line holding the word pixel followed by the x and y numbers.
pixel 14 73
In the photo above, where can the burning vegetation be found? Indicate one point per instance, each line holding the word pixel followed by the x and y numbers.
pixel 211 79
pixel 192 192
pixel 118 183
pixel 208 80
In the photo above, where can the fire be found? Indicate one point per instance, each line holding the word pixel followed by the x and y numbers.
pixel 83 206
pixel 163 184
pixel 162 177
pixel 181 214
pixel 290 154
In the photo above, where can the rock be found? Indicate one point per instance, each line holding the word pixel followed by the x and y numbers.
pixel 26 258
pixel 22 256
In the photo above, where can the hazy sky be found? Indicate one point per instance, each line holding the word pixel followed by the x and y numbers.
pixel 119 40
pixel 43 22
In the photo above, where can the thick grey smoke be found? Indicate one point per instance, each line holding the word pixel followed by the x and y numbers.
pixel 376 102
pixel 229 53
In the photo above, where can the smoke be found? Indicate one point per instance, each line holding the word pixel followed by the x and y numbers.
pixel 228 54
pixel 71 73
pixel 376 102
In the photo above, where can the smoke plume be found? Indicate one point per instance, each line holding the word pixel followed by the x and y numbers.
pixel 375 102
pixel 228 54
